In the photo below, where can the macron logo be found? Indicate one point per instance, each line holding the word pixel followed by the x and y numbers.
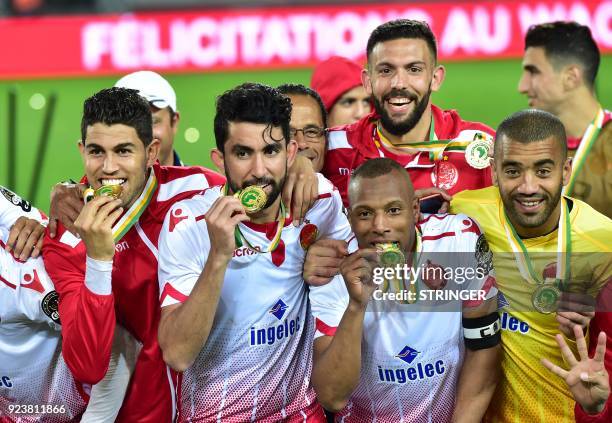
pixel 278 309
pixel 408 354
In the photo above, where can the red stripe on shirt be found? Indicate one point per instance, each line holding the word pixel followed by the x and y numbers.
pixel 434 237
pixel 200 217
pixel 169 290
pixel 324 328
pixel 3 246
pixel 486 288
pixel 325 195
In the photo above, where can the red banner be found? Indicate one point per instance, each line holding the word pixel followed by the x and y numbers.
pixel 271 37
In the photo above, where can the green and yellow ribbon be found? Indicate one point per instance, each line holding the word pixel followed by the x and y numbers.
pixel 130 217
pixel 436 148
pixel 586 144
pixel 521 255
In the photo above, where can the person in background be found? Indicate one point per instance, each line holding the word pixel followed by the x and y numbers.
pixel 162 99
pixel 308 124
pixel 338 82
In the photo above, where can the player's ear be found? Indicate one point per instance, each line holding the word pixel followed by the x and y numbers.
pixel 572 77
pixel 438 77
pixel 365 80
pixel 292 149
pixel 567 171
pixel 493 171
pixel 152 151
pixel 217 158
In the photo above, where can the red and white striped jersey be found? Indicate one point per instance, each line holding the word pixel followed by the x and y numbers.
pixel 350 145
pixel 411 358
pixel 257 361
pixel 89 319
pixel 32 369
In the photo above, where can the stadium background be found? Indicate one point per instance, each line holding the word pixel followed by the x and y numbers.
pixel 483 90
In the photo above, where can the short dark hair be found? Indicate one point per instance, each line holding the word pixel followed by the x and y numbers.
pixel 567 42
pixel 299 89
pixel 373 168
pixel 531 125
pixel 254 103
pixel 403 28
pixel 113 106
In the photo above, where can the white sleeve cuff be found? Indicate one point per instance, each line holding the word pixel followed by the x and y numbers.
pixel 98 276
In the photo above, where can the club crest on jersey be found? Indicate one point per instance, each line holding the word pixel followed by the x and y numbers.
pixel 50 306
pixel 15 199
pixel 308 235
pixel 445 175
pixel 278 309
pixel 407 354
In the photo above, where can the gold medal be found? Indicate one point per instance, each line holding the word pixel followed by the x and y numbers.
pixel 253 198
pixel 109 191
pixel 390 254
pixel 545 298
pixel 88 195
pixel 477 154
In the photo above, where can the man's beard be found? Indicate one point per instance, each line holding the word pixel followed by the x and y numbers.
pixel 405 126
pixel 276 187
pixel 536 220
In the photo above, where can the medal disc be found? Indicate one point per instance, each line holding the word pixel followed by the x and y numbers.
pixel 390 254
pixel 477 154
pixel 546 298
pixel 253 198
pixel 109 191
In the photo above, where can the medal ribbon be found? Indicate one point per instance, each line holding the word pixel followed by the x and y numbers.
pixel 130 217
pixel 433 146
pixel 521 256
pixel 586 144
pixel 242 240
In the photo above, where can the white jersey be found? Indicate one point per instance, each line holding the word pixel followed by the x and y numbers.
pixel 32 370
pixel 411 358
pixel 257 361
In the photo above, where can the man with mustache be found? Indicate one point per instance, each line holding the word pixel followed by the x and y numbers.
pixel 437 147
pixel 235 314
pixel 308 122
pixel 531 228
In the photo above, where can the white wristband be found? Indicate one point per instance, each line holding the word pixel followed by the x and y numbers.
pixel 98 276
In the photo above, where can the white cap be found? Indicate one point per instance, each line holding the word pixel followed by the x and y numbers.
pixel 152 86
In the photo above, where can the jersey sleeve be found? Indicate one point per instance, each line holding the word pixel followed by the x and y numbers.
pixel 477 259
pixel 329 211
pixel 338 165
pixel 88 319
pixel 183 248
pixel 328 303
pixel 12 207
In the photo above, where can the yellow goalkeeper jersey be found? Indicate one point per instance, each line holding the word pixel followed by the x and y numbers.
pixel 527 391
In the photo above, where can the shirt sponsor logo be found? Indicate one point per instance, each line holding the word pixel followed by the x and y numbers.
pixel 418 372
pixel 512 324
pixel 16 200
pixel 176 217
pixel 273 333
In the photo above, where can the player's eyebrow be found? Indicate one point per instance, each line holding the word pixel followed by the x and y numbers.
pixel 241 149
pixel 123 145
pixel 531 68
pixel 544 162
pixel 514 163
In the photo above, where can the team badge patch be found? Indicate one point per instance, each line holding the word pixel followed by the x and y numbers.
pixel 16 200
pixel 308 235
pixel 50 306
pixel 484 255
pixel 477 154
